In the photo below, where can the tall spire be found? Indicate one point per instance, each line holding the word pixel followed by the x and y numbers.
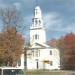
pixel 37 30
pixel 37 21
pixel 36 2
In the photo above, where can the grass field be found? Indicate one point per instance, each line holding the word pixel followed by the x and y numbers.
pixel 47 72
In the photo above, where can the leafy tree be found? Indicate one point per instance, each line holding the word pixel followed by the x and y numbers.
pixel 66 45
pixel 53 43
pixel 11 46
pixel 11 40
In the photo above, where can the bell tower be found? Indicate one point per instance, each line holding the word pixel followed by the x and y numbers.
pixel 37 29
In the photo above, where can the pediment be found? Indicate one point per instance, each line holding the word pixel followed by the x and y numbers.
pixel 39 45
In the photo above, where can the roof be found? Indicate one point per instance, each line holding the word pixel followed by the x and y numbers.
pixel 37 8
pixel 39 45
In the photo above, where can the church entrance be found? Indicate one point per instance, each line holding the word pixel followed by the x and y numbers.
pixel 45 64
pixel 37 65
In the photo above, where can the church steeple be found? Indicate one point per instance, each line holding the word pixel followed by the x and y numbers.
pixel 37 21
pixel 37 3
pixel 37 30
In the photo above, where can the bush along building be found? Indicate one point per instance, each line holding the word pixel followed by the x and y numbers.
pixel 39 54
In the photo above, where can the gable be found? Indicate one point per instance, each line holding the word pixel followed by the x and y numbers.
pixel 39 45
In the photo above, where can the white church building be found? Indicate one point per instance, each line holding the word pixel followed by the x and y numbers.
pixel 39 54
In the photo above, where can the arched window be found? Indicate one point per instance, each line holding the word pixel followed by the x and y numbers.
pixel 36 36
pixel 39 22
pixel 36 21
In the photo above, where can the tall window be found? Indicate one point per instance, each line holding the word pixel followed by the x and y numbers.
pixel 36 21
pixel 37 53
pixel 33 53
pixel 51 63
pixel 36 36
pixel 39 22
pixel 50 52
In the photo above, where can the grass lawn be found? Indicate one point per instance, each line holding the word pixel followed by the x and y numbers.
pixel 46 72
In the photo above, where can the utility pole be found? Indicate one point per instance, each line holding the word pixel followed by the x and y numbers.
pixel 25 63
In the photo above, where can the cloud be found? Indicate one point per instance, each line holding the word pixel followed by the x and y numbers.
pixel 52 20
pixel 28 19
pixel 55 22
pixel 70 27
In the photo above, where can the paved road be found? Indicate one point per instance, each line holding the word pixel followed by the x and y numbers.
pixel 71 72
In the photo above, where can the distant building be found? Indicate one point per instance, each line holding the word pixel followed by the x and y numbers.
pixel 40 55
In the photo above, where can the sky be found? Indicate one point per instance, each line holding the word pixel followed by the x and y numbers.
pixel 58 15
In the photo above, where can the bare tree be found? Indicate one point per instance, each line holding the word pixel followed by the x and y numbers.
pixel 11 40
pixel 11 17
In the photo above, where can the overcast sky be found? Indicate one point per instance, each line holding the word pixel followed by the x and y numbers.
pixel 58 15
